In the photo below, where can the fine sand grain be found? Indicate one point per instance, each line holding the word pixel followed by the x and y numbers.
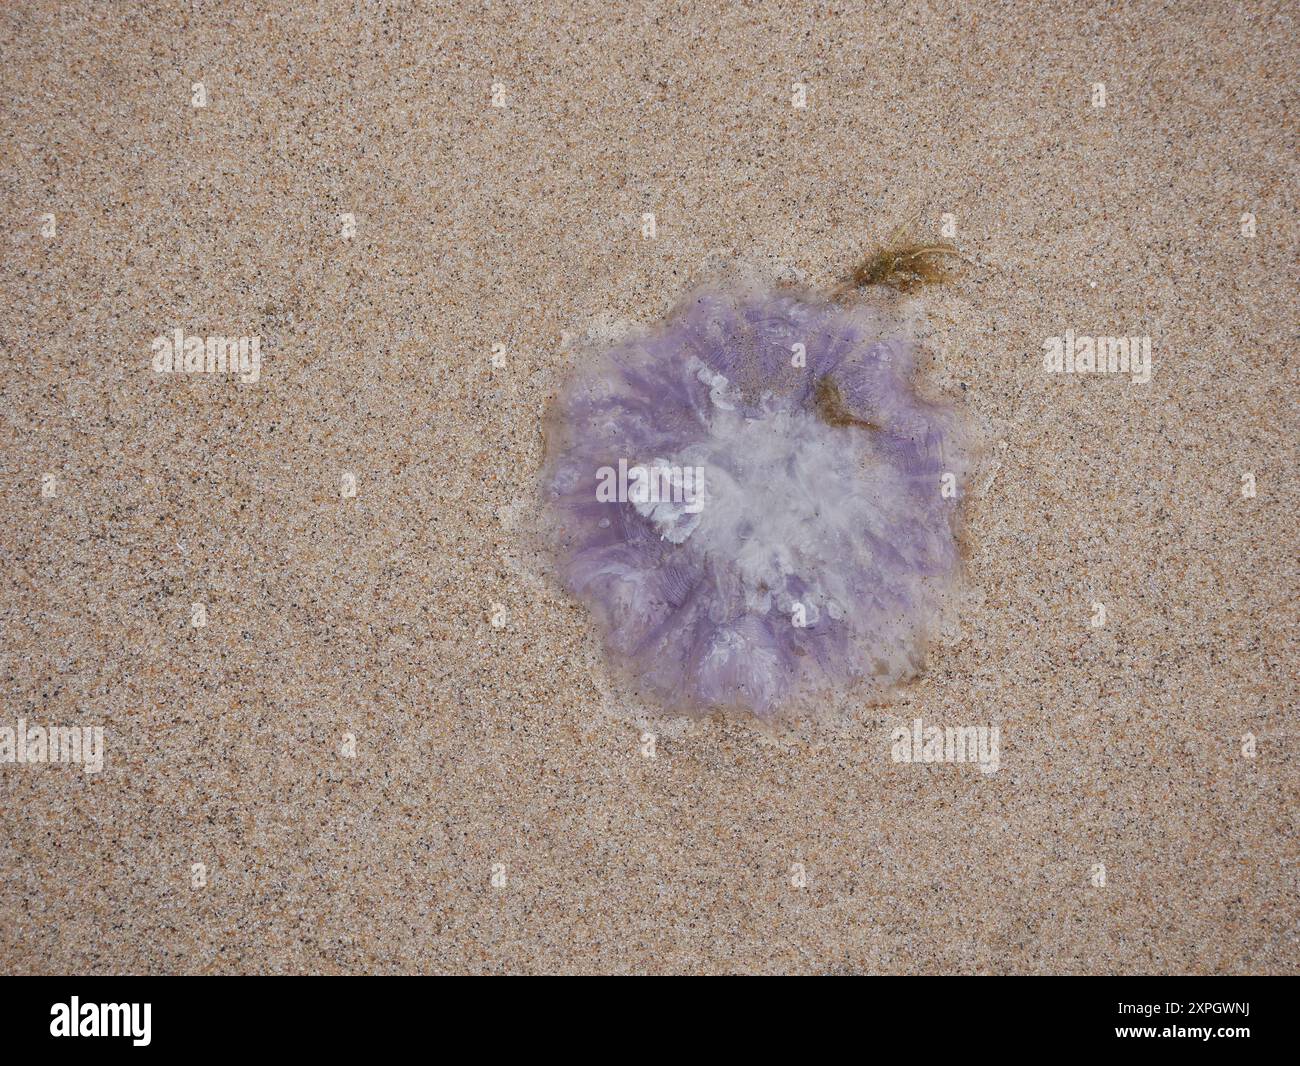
pixel 350 767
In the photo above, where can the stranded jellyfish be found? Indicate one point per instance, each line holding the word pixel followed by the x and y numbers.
pixel 753 499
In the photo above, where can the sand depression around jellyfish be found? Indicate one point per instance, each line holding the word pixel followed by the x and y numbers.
pixel 754 501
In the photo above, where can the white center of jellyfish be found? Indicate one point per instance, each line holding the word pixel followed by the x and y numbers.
pixel 784 496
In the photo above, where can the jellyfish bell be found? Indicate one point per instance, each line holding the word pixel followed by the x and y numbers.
pixel 818 548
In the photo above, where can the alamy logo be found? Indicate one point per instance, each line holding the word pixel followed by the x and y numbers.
pixel 967 743
pixel 57 744
pixel 1098 355
pixel 671 497
pixel 179 354
pixel 660 482
pixel 102 1019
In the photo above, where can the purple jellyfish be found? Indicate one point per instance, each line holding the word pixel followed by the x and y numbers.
pixel 754 502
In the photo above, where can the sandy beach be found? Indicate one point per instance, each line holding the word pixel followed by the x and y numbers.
pixel 349 725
